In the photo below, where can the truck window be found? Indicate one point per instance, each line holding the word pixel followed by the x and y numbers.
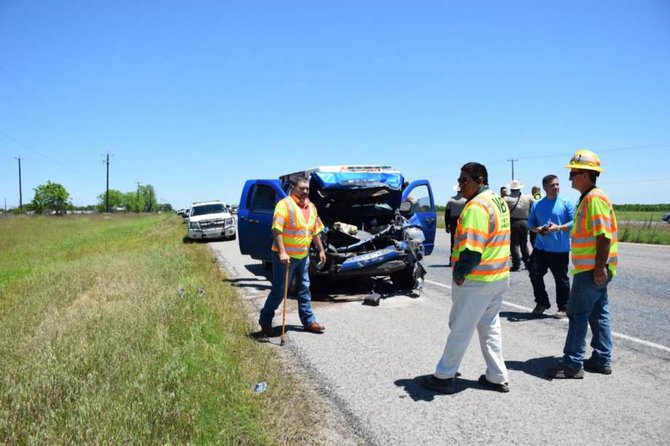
pixel 420 199
pixel 263 200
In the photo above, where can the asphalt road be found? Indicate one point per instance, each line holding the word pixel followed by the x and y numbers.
pixel 370 359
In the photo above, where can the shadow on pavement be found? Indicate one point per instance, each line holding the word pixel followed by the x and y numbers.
pixel 257 269
pixel 419 393
pixel 257 284
pixel 276 332
pixel 517 316
pixel 536 367
pixel 363 289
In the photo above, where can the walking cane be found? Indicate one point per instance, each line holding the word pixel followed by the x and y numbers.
pixel 283 322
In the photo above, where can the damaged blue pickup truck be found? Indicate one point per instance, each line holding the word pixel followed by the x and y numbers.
pixel 376 223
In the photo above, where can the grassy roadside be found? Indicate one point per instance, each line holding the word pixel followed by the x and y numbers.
pixel 97 345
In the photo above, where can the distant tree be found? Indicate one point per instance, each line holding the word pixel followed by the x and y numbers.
pixel 51 196
pixel 116 199
pixel 141 200
pixel 165 207
pixel 147 198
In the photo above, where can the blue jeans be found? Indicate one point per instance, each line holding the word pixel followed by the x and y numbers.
pixel 588 304
pixel 299 268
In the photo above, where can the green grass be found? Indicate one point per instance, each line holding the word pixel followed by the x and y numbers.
pixel 652 216
pixel 643 227
pixel 98 347
pixel 634 227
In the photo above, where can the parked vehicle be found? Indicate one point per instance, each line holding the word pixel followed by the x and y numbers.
pixel 210 220
pixel 375 223
pixel 666 217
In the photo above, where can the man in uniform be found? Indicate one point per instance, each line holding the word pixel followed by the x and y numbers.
pixel 480 277
pixel 295 226
pixel 594 256
pixel 519 205
pixel 451 213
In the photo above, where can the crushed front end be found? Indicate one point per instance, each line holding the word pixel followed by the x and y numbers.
pixel 366 234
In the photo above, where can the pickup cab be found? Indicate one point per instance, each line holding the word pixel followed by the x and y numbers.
pixel 376 224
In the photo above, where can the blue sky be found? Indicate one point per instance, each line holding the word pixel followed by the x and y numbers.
pixel 196 97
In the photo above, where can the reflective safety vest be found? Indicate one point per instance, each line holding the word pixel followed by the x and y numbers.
pixel 484 227
pixel 594 216
pixel 296 232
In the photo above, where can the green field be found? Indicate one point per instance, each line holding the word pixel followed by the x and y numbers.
pixel 99 346
pixel 634 227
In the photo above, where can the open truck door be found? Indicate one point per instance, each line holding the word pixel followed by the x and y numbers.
pixel 422 210
pixel 254 217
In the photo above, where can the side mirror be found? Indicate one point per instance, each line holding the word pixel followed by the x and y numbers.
pixel 405 206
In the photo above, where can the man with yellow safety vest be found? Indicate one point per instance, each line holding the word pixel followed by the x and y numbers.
pixel 295 226
pixel 480 277
pixel 594 256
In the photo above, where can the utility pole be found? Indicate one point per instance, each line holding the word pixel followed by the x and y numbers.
pixel 107 187
pixel 512 161
pixel 20 191
pixel 137 200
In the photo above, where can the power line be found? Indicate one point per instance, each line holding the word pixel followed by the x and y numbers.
pixel 25 146
pixel 568 154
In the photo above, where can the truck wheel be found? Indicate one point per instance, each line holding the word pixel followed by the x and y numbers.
pixel 404 279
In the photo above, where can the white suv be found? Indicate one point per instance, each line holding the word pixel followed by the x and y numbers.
pixel 210 220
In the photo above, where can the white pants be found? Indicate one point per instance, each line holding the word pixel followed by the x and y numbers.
pixel 475 305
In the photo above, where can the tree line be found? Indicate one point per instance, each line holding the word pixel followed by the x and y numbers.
pixel 53 198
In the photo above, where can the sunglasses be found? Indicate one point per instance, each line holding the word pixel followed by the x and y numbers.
pixel 573 173
pixel 463 180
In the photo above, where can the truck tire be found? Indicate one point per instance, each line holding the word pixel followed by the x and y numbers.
pixel 404 279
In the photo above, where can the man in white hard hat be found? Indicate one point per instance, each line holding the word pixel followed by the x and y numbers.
pixel 519 206
pixel 594 257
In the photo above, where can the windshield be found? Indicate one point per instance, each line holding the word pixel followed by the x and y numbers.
pixel 215 208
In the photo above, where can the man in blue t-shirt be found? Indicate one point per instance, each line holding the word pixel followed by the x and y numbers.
pixel 551 218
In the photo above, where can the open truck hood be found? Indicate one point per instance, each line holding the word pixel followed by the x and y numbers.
pixel 350 196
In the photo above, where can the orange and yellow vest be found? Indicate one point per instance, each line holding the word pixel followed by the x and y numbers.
pixel 594 216
pixel 296 232
pixel 484 227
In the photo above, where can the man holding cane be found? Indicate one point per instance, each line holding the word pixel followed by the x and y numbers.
pixel 295 226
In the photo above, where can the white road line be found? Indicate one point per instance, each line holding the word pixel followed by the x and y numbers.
pixel 614 333
pixel 438 284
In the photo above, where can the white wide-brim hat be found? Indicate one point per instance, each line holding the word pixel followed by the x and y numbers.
pixel 515 185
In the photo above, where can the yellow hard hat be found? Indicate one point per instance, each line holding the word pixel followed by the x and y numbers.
pixel 586 160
